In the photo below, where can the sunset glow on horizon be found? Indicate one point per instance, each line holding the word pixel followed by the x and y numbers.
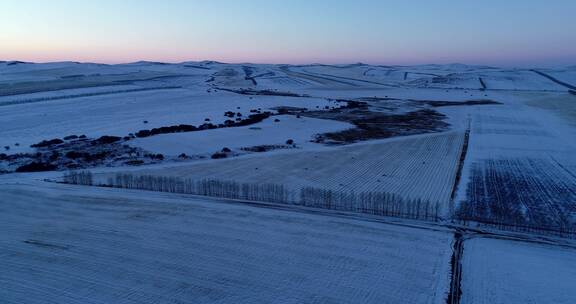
pixel 490 32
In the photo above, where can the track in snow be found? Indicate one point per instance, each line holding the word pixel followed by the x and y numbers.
pixel 562 83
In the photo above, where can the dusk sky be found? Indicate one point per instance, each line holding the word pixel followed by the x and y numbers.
pixel 510 32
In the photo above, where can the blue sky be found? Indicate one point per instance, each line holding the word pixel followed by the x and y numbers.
pixel 511 32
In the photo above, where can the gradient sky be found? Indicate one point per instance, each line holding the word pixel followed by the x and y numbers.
pixel 500 32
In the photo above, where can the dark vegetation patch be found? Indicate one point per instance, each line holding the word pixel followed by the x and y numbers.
pixel 572 92
pixel 384 117
pixel 376 125
pixel 532 194
pixel 251 119
pixel 70 137
pixel 433 103
pixel 219 155
pixel 36 167
pixel 289 110
pixel 76 152
pixel 106 140
pixel 266 148
pixel 134 162
pixel 437 103
pixel 48 143
pixel 262 92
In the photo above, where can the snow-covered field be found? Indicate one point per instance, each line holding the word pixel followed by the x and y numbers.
pixel 122 114
pixel 67 244
pixel 269 132
pixel 496 144
pixel 497 271
pixel 422 167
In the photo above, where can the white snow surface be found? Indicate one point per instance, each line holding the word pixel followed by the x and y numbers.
pixel 64 244
pixel 268 132
pixel 70 244
pixel 498 272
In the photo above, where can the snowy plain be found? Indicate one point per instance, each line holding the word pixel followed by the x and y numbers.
pixel 75 244
pixel 511 272
pixel 66 244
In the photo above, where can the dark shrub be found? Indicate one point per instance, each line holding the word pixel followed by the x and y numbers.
pixel 226 150
pixel 54 156
pixel 108 139
pixel 135 162
pixel 143 133
pixel 82 136
pixel 47 143
pixel 75 155
pixel 145 121
pixel 36 167
pixel 290 142
pixel 206 119
pixel 276 120
pixel 94 157
pixel 207 126
pixel 69 137
pixel 183 156
pixel 187 128
pixel 218 155
pixel 3 156
pixel 7 148
pixel 253 118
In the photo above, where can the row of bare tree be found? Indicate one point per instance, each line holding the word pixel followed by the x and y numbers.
pixel 375 203
pixel 79 178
